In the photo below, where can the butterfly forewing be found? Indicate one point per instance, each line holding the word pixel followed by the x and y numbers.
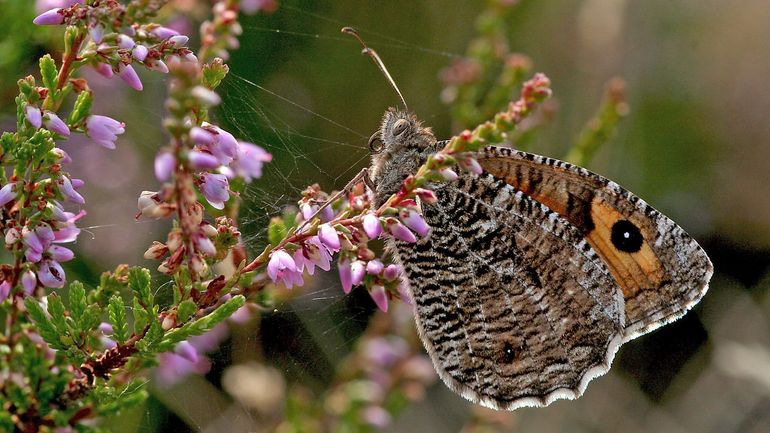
pixel 514 307
pixel 662 271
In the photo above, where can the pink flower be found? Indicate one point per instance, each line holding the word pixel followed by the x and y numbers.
pixel 372 226
pixel 426 195
pixel 391 272
pixel 202 160
pixel 328 235
pixel 33 115
pixel 399 231
pixel 469 163
pixel 68 190
pixel 103 69
pixel 51 274
pixel 415 221
pixel 128 74
pixel 215 189
pixel 357 272
pixel 249 162
pixel 165 163
pixel 7 193
pixel 104 130
pixel 49 18
pixel 125 42
pixel 164 32
pixel 187 351
pixel 379 297
pixel 5 290
pixel 158 66
pixel 313 253
pixel 97 33
pixel 139 52
pixel 252 6
pixel 60 254
pixel 219 142
pixel 53 123
pixel 448 174
pixel 173 367
pixel 283 269
pixel 204 245
pixel 346 278
pixel 28 282
pixel 179 40
pixel 374 267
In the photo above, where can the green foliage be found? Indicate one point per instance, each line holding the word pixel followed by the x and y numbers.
pixel 201 325
pixel 214 72
pixel 276 231
pixel 82 108
pixel 117 314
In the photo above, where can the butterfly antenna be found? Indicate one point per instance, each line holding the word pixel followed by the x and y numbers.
pixel 377 61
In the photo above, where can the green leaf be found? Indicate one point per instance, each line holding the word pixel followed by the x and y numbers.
pixel 82 108
pixel 77 301
pixel 139 282
pixel 48 72
pixel 214 72
pixel 117 314
pixel 45 328
pixel 56 311
pixel 141 317
pixel 151 338
pixel 276 231
pixel 185 310
pixel 201 325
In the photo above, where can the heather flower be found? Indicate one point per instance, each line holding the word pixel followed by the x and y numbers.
pixel 283 269
pixel 215 189
pixel 104 130
pixel 5 290
pixel 206 96
pixel 128 74
pixel 103 69
pixel 249 162
pixel 53 123
pixel 328 235
pixel 426 195
pixel 400 232
pixel 165 163
pixel 164 32
pixel 346 278
pixel 469 163
pixel 97 33
pixel 158 66
pixel 448 174
pixel 49 18
pixel 7 193
pixel 219 142
pixel 376 416
pixel 60 253
pixel 179 40
pixel 139 52
pixel 125 42
pixel 151 206
pixel 51 274
pixel 33 115
pixel 204 244
pixel 357 272
pixel 202 160
pixel 372 226
pixel 312 254
pixel 374 267
pixel 172 368
pixel 187 351
pixel 253 6
pixel 391 272
pixel 379 297
pixel 69 191
pixel 28 282
pixel 415 221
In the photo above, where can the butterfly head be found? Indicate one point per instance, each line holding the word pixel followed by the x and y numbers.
pixel 400 131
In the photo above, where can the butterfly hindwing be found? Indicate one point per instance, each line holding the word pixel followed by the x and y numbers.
pixel 514 307
pixel 662 271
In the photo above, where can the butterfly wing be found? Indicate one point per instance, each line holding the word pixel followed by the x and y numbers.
pixel 662 271
pixel 513 306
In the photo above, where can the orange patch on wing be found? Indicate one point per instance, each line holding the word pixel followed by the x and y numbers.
pixel 633 271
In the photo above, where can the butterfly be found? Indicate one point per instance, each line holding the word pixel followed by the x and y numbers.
pixel 534 272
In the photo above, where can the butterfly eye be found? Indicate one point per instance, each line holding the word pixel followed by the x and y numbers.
pixel 400 126
pixel 375 143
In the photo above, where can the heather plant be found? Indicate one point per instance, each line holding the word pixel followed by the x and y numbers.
pixel 71 354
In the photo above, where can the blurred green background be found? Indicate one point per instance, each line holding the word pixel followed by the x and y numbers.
pixel 696 145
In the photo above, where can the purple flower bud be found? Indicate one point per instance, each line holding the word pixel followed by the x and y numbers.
pixel 5 290
pixel 104 130
pixel 380 297
pixel 283 269
pixel 49 18
pixel 151 206
pixel 190 57
pixel 357 272
pixel 51 274
pixel 391 272
pixel 125 42
pixel 205 245
pixel 179 40
pixel 469 163
pixel 64 157
pixel 53 123
pixel 206 96
pixel 328 235
pixel 249 162
pixel 415 221
pixel 158 66
pixel 448 174
pixel 68 234
pixel 140 52
pixel 103 69
pixel 128 74
pixel 215 189
pixel 308 211
pixel 164 32
pixel 61 254
pixel 343 266
pixel 28 282
pixel 399 231
pixel 33 115
pixel 372 226
pixel 12 236
pixel 374 267
pixel 77 183
pixel 106 328
pixel 69 191
pixel 201 136
pixel 187 351
pixel 327 214
pixel 202 160
pixel 165 163
pixel 7 193
pixel 426 195
pixel 97 33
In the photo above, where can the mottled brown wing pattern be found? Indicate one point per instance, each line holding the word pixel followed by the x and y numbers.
pixel 514 307
pixel 662 271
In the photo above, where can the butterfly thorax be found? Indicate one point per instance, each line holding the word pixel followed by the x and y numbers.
pixel 405 146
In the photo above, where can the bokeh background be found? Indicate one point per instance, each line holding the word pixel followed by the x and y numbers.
pixel 695 144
